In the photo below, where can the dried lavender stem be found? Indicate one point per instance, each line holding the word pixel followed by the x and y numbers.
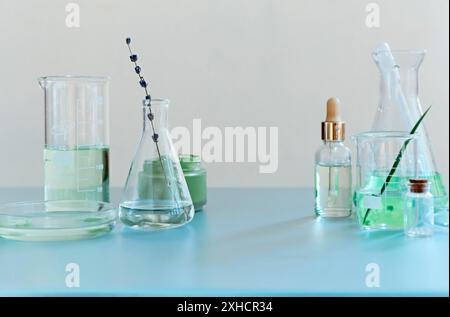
pixel 148 97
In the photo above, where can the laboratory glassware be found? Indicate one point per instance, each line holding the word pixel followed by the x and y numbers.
pixel 56 220
pixel 156 195
pixel 333 168
pixel 400 108
pixel 385 161
pixel 419 209
pixel 76 154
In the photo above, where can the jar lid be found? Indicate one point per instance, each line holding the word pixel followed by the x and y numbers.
pixel 188 161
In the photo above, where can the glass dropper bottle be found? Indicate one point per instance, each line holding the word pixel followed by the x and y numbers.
pixel 333 176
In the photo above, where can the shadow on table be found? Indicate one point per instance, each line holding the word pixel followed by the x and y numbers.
pixel 261 240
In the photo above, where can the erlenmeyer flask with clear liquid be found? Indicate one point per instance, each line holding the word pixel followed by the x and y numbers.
pixel 76 153
pixel 156 195
pixel 400 108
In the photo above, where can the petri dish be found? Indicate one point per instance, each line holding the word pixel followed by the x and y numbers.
pixel 56 220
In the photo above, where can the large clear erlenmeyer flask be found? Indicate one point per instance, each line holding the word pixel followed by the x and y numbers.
pixel 76 137
pixel 400 108
pixel 156 195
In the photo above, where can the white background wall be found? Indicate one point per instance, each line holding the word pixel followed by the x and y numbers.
pixel 228 62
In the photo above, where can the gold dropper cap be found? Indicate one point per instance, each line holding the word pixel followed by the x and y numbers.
pixel 333 129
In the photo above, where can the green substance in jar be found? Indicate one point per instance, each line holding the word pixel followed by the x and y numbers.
pixel 195 176
pixel 151 181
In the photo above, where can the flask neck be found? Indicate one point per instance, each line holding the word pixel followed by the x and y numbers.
pixel 394 83
pixel 333 144
pixel 399 72
pixel 399 106
pixel 156 116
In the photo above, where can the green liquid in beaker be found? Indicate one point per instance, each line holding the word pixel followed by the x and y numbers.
pixel 386 211
pixel 77 174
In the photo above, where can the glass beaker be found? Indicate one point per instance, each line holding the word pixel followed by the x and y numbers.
pixel 399 109
pixel 76 154
pixel 385 161
pixel 156 195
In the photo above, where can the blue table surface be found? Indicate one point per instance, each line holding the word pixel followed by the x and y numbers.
pixel 246 242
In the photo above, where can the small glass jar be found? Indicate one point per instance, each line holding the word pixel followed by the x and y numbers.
pixel 419 209
pixel 195 176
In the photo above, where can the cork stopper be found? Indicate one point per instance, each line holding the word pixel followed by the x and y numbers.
pixel 418 186
pixel 333 128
